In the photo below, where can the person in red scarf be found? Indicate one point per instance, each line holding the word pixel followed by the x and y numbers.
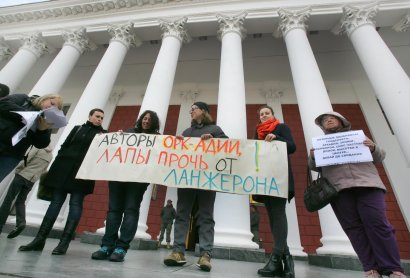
pixel 280 263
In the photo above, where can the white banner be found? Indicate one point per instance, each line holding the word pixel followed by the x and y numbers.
pixel 226 165
pixel 341 148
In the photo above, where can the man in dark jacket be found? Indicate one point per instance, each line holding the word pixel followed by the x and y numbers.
pixel 167 218
pixel 61 178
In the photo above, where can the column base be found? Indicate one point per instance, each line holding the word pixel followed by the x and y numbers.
pixel 344 262
pixel 136 244
pixel 236 254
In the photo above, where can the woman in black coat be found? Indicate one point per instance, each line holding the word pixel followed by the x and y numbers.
pixel 280 263
pixel 11 123
pixel 61 177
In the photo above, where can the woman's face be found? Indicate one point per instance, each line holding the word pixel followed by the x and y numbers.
pixel 48 103
pixel 146 122
pixel 96 118
pixel 196 113
pixel 265 114
pixel 331 123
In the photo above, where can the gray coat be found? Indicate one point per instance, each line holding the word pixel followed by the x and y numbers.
pixel 350 175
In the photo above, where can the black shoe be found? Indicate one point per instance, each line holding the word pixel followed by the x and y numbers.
pixel 36 245
pixel 118 255
pixel 101 254
pixel 273 268
pixel 288 266
pixel 16 231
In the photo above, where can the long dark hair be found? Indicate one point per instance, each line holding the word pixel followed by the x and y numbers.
pixel 154 122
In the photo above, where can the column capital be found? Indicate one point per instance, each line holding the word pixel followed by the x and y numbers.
pixel 272 95
pixel 290 20
pixel 354 17
pixel 35 44
pixel 175 29
pixel 403 25
pixel 116 95
pixel 78 39
pixel 5 51
pixel 229 24
pixel 189 96
pixel 124 34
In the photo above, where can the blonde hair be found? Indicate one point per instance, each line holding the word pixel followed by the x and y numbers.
pixel 206 118
pixel 37 101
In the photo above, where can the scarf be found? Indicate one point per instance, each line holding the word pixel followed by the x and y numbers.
pixel 267 127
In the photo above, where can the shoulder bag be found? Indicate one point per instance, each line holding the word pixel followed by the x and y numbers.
pixel 318 193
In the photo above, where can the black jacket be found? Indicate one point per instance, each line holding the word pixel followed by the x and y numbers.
pixel 11 123
pixel 63 170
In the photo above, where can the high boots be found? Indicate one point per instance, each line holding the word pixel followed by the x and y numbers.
pixel 40 240
pixel 288 266
pixel 273 268
pixel 66 237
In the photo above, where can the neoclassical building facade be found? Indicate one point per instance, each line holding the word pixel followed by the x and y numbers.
pixel 302 58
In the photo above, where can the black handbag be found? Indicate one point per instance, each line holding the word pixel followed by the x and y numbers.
pixel 44 192
pixel 319 193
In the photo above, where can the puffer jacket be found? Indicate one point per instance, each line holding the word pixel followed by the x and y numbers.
pixel 363 174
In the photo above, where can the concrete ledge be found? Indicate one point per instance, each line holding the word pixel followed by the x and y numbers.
pixel 136 244
pixel 344 262
pixel 236 254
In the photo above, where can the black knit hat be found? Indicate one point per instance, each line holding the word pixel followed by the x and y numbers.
pixel 202 105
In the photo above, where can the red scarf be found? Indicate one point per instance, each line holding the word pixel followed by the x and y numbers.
pixel 267 127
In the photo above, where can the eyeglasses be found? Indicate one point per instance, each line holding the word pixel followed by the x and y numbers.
pixel 193 108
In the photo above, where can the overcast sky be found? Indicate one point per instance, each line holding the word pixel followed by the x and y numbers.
pixel 5 3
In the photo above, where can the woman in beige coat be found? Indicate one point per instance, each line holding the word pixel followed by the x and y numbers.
pixel 360 206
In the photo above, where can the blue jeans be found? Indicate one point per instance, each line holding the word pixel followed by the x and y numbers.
pixel 57 201
pixel 124 206
pixel 7 164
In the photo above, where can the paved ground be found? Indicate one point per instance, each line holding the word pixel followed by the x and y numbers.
pixel 141 264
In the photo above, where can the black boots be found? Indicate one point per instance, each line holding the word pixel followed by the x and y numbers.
pixel 288 266
pixel 273 268
pixel 40 240
pixel 16 231
pixel 66 237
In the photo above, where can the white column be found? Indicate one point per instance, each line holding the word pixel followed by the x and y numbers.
pixel 95 95
pixel 53 79
pixel 17 68
pixel 158 93
pixel 232 227
pixel 312 100
pixel 389 81
pixel 273 99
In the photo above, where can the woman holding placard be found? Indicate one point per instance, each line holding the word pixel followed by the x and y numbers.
pixel 202 126
pixel 124 203
pixel 280 263
pixel 360 206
